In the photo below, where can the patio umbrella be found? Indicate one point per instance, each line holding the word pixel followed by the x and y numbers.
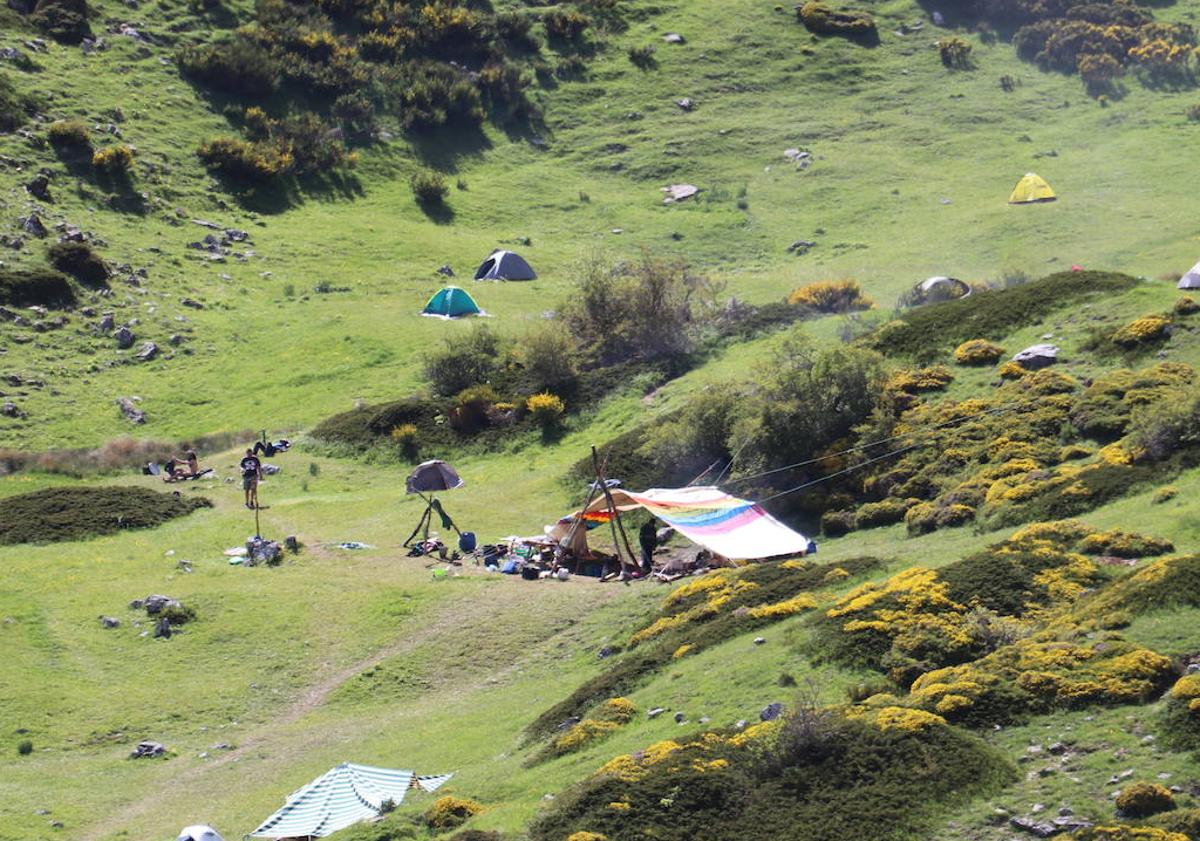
pixel 431 476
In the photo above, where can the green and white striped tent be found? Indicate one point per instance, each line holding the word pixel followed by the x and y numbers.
pixel 341 797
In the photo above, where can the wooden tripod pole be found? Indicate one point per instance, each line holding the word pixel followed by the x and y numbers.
pixel 615 522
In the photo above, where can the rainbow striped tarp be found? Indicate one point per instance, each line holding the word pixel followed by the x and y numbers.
pixel 727 525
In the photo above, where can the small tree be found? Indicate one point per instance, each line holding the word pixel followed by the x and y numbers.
pixel 955 53
pixel 428 186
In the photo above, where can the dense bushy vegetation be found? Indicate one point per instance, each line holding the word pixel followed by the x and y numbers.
pixel 63 20
pixel 29 287
pixel 56 514
pixel 700 614
pixel 926 333
pixel 1011 631
pixel 78 260
pixel 335 67
pixel 782 780
pixel 1098 39
pixel 824 20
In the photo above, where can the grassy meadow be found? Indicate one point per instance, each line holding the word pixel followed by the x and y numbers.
pixel 363 655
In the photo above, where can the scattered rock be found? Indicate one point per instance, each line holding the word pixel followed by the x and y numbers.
pixel 445 270
pixel 291 543
pixel 680 718
pixel 156 603
pixel 148 749
pixel 110 622
pixel 759 640
pixel 130 410
pixel 674 38
pixel 1041 829
pixel 1037 356
pixel 686 104
pixel 10 410
pixel 188 302
pixel 568 723
pixel 149 351
pixel 740 724
pixel 679 192
pixel 801 247
pixel 771 712
pixel 124 337
pixel 605 652
pixel 655 712
pixel 32 225
pixel 39 187
pixel 163 629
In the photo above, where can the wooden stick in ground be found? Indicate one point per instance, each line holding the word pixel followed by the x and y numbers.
pixel 615 520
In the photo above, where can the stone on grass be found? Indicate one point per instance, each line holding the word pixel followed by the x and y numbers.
pixel 148 351
pixel 147 749
pixel 130 411
pixel 110 622
pixel 771 711
pixel 124 337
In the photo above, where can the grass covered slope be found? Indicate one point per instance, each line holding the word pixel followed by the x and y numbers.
pixel 54 515
pixel 893 133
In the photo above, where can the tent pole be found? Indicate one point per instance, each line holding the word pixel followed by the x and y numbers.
pixel 616 517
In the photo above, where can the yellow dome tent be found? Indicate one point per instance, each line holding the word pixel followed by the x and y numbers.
pixel 1030 189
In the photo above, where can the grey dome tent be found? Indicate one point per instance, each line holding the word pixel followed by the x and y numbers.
pixel 1191 280
pixel 937 289
pixel 505 265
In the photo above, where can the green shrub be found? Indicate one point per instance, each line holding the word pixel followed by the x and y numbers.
pixel 1164 494
pixel 113 160
pixel 465 360
pixel 883 513
pixel 434 95
pixel 550 356
pixel 62 20
pixel 24 747
pixel 237 66
pixel 955 53
pixel 821 19
pixel 1141 800
pixel 57 514
pixel 565 24
pixel 35 286
pixel 838 523
pixel 642 58
pixel 79 261
pixel 246 162
pixel 1141 331
pixel 69 134
pixel 1166 426
pixel 428 186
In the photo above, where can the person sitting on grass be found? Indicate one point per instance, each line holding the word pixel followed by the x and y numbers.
pixel 185 467
pixel 251 475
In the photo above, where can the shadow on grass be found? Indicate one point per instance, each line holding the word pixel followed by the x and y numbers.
pixel 444 148
pixel 437 211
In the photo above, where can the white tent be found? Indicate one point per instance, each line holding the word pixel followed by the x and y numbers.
pixel 1191 280
pixel 343 796
pixel 505 265
pixel 199 832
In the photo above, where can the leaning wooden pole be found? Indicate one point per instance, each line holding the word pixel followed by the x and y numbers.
pixel 615 520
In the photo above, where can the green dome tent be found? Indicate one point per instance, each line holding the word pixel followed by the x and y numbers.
pixel 451 302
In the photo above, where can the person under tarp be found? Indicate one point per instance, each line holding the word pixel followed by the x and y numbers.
pixel 724 524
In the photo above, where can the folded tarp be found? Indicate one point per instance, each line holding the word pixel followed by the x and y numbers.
pixel 721 523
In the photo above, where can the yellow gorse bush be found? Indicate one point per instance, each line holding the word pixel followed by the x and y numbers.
pixel 978 352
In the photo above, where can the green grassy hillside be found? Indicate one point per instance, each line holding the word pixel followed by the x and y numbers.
pixel 366 656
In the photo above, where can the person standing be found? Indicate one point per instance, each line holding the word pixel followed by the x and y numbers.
pixel 251 474
pixel 648 538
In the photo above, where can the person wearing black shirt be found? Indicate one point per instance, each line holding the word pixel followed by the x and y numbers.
pixel 251 473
